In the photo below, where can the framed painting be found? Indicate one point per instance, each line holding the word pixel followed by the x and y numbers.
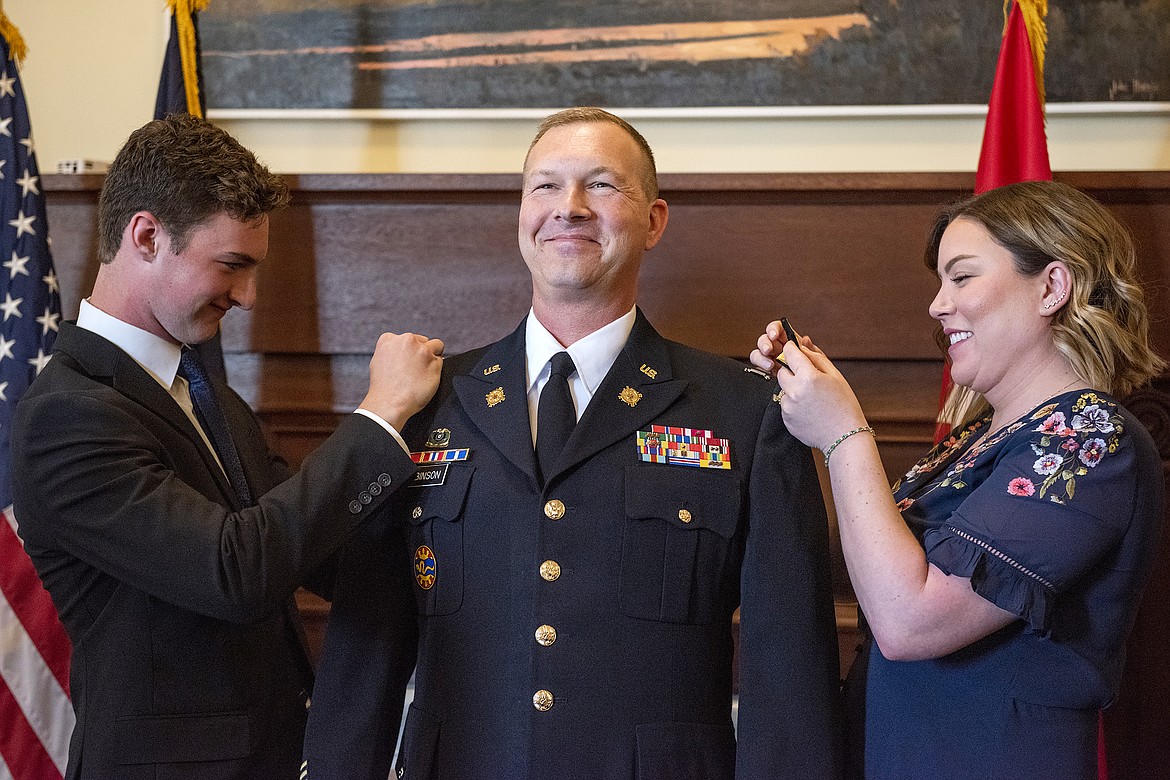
pixel 387 56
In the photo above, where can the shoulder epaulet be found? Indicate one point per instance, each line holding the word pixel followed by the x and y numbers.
pixel 757 372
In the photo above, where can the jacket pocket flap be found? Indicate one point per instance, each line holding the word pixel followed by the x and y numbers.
pixel 442 501
pixel 687 498
pixel 160 739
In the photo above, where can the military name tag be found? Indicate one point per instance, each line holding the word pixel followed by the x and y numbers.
pixel 430 475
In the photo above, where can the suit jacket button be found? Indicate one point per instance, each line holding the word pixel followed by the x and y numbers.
pixel 384 479
pixel 685 515
pixel 542 700
pixel 374 489
pixel 554 510
pixel 365 497
pixel 546 635
pixel 355 507
pixel 550 570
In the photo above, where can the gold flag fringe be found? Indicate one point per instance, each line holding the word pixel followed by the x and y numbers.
pixel 17 49
pixel 182 9
pixel 1034 12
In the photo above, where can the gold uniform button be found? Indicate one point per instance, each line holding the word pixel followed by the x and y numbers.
pixel 550 570
pixel 542 700
pixel 684 515
pixel 554 510
pixel 546 635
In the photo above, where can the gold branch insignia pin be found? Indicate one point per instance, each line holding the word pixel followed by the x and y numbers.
pixel 630 396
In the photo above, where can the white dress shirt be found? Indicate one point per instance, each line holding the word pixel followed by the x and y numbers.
pixel 593 356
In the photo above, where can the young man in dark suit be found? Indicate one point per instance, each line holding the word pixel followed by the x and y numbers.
pixel 168 535
pixel 592 504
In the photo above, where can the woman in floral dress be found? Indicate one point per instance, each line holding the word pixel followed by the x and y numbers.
pixel 999 583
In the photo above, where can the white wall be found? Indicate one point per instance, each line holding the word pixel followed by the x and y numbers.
pixel 93 68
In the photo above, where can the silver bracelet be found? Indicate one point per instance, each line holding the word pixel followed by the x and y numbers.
pixel 863 429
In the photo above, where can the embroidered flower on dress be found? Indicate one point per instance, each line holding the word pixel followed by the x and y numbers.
pixel 1066 453
pixel 1092 452
pixel 1021 486
pixel 905 504
pixel 941 452
pixel 1093 418
pixel 1048 464
pixel 1054 423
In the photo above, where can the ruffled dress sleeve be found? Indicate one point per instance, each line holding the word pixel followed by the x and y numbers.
pixel 1052 499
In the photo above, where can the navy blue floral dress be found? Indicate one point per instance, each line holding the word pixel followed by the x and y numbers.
pixel 1054 518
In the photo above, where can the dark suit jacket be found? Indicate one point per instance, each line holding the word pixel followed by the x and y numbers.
pixel 185 663
pixel 640 669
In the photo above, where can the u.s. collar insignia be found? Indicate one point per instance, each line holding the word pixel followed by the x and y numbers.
pixel 495 397
pixel 491 369
pixel 650 372
pixel 426 567
pixel 630 396
pixel 440 437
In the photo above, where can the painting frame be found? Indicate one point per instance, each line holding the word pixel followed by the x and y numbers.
pixel 847 95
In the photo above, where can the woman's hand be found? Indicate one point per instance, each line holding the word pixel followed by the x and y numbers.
pixel 817 402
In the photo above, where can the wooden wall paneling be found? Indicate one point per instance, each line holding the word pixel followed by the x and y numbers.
pixel 71 204
pixel 361 257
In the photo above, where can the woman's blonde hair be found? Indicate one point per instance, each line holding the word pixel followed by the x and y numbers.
pixel 1103 328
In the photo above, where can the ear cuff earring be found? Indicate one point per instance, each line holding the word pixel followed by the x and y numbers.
pixel 1050 304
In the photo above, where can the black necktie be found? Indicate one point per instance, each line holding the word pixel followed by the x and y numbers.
pixel 555 415
pixel 210 416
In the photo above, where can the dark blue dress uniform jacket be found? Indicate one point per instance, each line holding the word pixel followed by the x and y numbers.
pixel 637 681
pixel 185 662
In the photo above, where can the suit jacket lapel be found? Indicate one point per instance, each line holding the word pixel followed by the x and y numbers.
pixel 494 394
pixel 102 359
pixel 638 389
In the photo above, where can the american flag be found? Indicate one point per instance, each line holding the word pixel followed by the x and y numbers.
pixel 36 718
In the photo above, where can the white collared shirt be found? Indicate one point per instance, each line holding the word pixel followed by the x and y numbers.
pixel 593 356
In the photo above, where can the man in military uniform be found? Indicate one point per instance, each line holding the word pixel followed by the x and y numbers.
pixel 592 503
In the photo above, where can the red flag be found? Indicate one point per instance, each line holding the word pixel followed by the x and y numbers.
pixel 1015 147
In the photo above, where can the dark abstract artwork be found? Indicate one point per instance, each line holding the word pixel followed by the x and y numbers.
pixel 439 54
